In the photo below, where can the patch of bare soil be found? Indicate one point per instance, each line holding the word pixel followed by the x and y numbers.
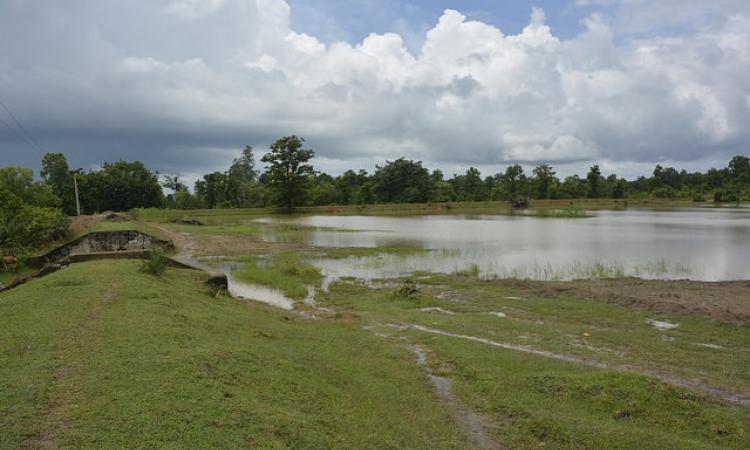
pixel 727 301
pixel 83 224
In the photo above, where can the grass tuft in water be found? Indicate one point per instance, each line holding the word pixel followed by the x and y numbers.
pixel 287 272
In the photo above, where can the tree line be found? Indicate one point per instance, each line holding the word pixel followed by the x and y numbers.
pixel 287 179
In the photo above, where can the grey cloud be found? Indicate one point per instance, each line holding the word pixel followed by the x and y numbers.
pixel 184 86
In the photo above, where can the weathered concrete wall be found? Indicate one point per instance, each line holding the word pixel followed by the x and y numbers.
pixel 103 243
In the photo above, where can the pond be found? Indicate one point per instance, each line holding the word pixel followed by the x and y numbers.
pixel 701 243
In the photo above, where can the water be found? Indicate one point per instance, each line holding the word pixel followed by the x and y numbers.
pixel 237 288
pixel 708 244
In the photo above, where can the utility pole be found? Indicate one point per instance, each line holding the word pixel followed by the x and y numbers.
pixel 75 185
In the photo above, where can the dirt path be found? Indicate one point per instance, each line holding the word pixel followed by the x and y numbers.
pixel 470 423
pixel 734 397
pixel 65 389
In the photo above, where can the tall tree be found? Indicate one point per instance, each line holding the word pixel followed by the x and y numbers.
pixel 240 176
pixel 288 170
pixel 56 173
pixel 594 179
pixel 212 189
pixel 544 180
pixel 514 184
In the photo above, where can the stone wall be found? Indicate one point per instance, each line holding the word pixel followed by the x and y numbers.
pixel 103 243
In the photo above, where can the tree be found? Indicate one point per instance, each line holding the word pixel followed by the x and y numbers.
pixel 739 168
pixel 240 176
pixel 56 173
pixel 514 185
pixel 212 189
pixel 544 180
pixel 174 184
pixel 470 186
pixel 594 179
pixel 20 182
pixel 402 181
pixel 125 185
pixel 288 172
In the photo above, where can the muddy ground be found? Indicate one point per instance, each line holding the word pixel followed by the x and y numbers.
pixel 727 301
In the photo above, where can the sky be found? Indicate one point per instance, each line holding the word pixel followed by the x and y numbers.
pixel 184 85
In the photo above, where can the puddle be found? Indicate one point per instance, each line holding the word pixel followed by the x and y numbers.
pixel 240 289
pixel 247 291
pixel 662 325
pixel 437 309
pixel 713 346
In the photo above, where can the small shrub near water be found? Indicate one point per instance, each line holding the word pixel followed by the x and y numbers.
pixel 408 289
pixel 155 264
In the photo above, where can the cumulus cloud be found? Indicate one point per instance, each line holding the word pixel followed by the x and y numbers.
pixel 183 84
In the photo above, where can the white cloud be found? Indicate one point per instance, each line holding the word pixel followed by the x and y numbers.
pixel 224 73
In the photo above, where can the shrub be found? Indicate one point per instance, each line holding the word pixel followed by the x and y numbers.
pixel 24 228
pixel 408 289
pixel 156 263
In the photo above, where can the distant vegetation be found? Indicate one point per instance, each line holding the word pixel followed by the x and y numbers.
pixel 289 180
pixel 32 213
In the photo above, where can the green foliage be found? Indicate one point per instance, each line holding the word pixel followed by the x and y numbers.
pixel 288 172
pixel 20 182
pixel 401 181
pixel 155 264
pixel 24 228
pixel 56 173
pixel 408 289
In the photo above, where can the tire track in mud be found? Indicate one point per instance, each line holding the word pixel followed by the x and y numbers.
pixel 732 397
pixel 469 422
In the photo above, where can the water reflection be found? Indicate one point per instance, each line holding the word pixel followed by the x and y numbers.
pixel 237 288
pixel 707 244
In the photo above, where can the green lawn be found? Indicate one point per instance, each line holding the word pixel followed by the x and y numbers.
pixel 100 355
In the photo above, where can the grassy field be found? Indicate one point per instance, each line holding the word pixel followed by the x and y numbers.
pixel 100 355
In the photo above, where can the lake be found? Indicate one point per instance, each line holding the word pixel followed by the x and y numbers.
pixel 708 244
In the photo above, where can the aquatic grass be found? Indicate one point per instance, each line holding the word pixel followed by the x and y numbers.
pixel 360 252
pixel 286 272
pixel 472 270
pixel 568 212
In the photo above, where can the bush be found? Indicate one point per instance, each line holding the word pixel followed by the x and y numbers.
pixel 155 264
pixel 408 289
pixel 24 228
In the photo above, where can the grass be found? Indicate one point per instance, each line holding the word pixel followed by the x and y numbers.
pixel 536 401
pixel 286 272
pixel 361 252
pixel 100 355
pixel 567 212
pixel 614 334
